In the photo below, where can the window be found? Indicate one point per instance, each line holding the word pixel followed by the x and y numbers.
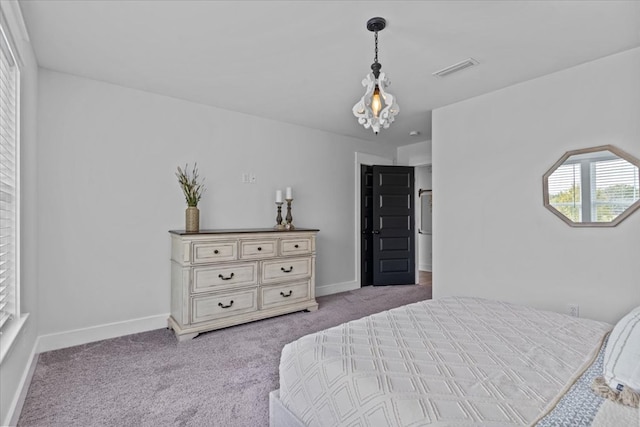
pixel 595 186
pixel 614 187
pixel 9 187
pixel 564 191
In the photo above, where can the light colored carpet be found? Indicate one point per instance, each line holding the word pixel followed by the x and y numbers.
pixel 221 378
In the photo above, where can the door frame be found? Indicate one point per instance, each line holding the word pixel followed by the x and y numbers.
pixel 419 163
pixel 418 219
pixel 363 159
pixel 372 159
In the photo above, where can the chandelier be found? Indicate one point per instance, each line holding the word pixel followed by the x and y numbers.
pixel 377 108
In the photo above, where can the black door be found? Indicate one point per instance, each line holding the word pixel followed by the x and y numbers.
pixel 393 225
pixel 366 222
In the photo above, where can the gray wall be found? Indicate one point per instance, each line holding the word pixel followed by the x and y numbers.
pixel 108 194
pixel 494 238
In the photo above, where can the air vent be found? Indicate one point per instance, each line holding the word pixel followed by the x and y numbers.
pixel 469 62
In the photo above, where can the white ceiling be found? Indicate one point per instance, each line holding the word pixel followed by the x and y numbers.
pixel 302 62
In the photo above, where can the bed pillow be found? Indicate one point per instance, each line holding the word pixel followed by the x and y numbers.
pixel 621 374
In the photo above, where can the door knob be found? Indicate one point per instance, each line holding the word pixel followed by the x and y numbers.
pixel 375 232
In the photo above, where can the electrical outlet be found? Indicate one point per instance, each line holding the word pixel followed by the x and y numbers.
pixel 574 310
pixel 252 179
pixel 245 178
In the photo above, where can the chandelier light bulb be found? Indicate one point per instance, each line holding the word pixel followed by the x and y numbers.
pixel 376 102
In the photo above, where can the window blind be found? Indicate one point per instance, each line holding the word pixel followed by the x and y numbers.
pixel 594 189
pixel 614 187
pixel 9 305
pixel 564 190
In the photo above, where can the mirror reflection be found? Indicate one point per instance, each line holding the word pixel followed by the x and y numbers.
pixel 597 186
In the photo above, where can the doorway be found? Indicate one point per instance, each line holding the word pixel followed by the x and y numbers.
pixel 387 221
pixel 424 210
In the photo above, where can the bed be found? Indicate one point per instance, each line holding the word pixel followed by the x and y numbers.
pixel 452 361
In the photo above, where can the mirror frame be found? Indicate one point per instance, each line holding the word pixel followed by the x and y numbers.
pixel 545 186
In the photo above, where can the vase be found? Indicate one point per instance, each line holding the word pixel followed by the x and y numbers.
pixel 192 219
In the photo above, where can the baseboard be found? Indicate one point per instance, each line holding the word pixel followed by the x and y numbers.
pixel 21 393
pixel 102 332
pixel 425 267
pixel 336 288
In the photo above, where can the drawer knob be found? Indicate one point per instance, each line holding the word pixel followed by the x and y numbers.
pixel 225 306
pixel 216 252
pixel 287 271
pixel 226 278
pixel 296 246
pixel 287 295
pixel 259 248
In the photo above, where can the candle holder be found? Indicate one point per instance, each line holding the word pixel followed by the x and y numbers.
pixel 279 225
pixel 289 218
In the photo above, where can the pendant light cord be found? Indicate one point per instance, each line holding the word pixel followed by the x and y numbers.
pixel 375 59
pixel 376 66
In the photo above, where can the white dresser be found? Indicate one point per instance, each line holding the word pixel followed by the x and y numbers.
pixel 222 278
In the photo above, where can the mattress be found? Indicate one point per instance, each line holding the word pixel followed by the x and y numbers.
pixel 452 361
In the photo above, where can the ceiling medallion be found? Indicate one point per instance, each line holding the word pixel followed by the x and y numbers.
pixel 377 108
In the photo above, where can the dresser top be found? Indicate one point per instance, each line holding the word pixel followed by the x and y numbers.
pixel 240 230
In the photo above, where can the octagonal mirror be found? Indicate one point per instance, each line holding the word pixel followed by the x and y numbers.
pixel 593 187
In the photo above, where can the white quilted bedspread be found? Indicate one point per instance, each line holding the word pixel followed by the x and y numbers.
pixel 453 361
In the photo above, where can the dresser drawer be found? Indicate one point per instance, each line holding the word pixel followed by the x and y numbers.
pixel 297 246
pixel 210 307
pixel 206 279
pixel 214 251
pixel 288 269
pixel 252 249
pixel 278 295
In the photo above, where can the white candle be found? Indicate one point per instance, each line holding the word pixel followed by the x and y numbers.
pixel 289 193
pixel 279 196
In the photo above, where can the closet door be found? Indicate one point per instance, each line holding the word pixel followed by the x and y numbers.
pixel 366 225
pixel 393 225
